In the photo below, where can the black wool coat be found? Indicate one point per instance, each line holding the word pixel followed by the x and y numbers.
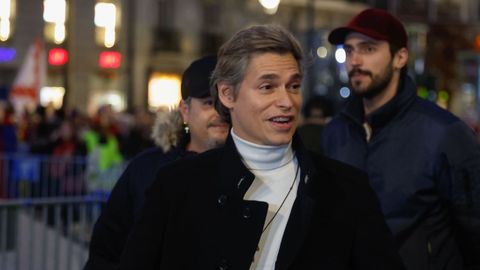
pixel 123 207
pixel 195 217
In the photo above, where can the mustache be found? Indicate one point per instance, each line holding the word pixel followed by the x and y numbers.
pixel 359 71
pixel 217 122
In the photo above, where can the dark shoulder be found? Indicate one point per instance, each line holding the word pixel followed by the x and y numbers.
pixel 188 169
pixel 337 169
pixel 434 114
pixel 336 178
pixel 148 155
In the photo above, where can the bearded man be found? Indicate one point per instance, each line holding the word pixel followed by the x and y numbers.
pixel 422 161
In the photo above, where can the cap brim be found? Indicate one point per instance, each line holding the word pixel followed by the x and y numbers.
pixel 338 35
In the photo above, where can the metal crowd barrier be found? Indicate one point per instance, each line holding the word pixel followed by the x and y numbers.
pixel 33 176
pixel 48 206
pixel 47 233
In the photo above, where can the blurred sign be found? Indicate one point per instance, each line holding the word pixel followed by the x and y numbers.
pixel 7 54
pixel 57 57
pixel 109 60
pixel 30 78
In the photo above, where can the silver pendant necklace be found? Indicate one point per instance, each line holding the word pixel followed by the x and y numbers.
pixel 283 201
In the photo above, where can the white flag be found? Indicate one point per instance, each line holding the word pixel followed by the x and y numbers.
pixel 30 78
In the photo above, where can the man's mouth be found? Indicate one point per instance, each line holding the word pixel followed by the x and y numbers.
pixel 218 124
pixel 281 119
pixel 356 72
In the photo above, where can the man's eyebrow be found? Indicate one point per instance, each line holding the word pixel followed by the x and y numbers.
pixel 362 43
pixel 297 76
pixel 268 76
pixel 369 42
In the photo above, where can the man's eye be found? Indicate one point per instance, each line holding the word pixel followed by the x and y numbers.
pixel 295 87
pixel 266 87
pixel 208 102
pixel 368 49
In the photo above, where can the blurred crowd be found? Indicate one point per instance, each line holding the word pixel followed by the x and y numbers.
pixel 48 131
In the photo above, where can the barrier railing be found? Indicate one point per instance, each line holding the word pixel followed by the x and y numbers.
pixel 48 206
pixel 29 176
pixel 47 233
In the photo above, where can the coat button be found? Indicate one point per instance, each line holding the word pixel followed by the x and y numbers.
pixel 222 200
pixel 223 264
pixel 246 213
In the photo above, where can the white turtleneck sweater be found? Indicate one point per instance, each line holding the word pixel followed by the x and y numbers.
pixel 276 171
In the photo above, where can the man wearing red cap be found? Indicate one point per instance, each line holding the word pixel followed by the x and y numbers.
pixel 422 161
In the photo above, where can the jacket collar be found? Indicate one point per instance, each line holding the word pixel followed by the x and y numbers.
pixel 236 178
pixel 405 95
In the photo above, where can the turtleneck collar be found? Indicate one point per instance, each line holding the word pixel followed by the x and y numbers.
pixel 263 157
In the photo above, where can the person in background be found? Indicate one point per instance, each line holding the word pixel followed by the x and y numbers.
pixel 260 201
pixel 423 162
pixel 317 112
pixel 104 159
pixel 202 129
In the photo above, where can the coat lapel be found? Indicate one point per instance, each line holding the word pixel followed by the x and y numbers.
pixel 240 222
pixel 301 214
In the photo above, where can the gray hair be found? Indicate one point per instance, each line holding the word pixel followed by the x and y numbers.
pixel 234 57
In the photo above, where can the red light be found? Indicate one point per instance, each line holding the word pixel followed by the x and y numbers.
pixel 109 59
pixel 57 57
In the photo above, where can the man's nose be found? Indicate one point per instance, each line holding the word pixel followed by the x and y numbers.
pixel 285 98
pixel 354 59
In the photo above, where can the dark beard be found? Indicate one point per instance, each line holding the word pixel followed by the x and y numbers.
pixel 378 85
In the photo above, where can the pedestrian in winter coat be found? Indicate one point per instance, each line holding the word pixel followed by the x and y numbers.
pixel 206 130
pixel 261 201
pixel 422 161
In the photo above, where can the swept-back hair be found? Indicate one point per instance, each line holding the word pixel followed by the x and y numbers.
pixel 235 54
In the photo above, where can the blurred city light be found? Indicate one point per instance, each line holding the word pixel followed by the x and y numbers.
pixel 344 92
pixel 419 66
pixel 343 75
pixel 59 35
pixel 7 54
pixel 270 6
pixel 102 97
pixel 105 16
pixel 4 29
pixel 5 13
pixel 115 100
pixel 322 52
pixel 109 59
pixel 54 11
pixel 164 90
pixel 340 55
pixel 5 6
pixel 52 94
pixel 57 56
pixel 422 92
pixel 109 37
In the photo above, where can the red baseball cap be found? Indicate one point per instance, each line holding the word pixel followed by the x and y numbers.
pixel 375 23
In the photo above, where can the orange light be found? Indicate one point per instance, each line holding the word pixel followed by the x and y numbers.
pixel 109 60
pixel 477 43
pixel 57 57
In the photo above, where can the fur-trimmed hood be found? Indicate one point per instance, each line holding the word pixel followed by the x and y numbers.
pixel 167 130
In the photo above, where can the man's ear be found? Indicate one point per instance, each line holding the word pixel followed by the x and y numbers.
pixel 184 109
pixel 401 58
pixel 226 95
